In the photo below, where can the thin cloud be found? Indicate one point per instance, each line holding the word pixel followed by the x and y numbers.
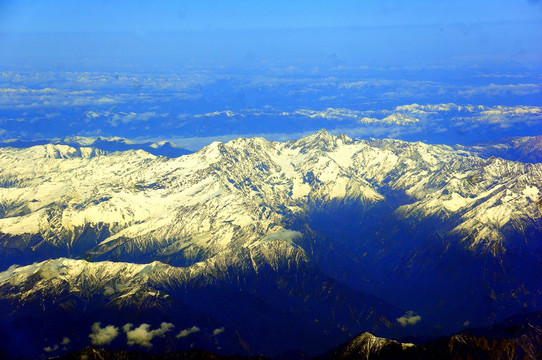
pixel 218 331
pixel 186 332
pixel 501 90
pixel 285 235
pixel 226 113
pixel 49 271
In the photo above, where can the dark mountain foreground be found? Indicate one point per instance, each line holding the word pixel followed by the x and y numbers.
pixel 518 338
pixel 91 353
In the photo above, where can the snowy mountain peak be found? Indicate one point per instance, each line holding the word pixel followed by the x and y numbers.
pixel 234 194
pixel 367 345
pixel 53 151
pixel 314 220
pixel 104 144
pixel 320 141
pixel 322 133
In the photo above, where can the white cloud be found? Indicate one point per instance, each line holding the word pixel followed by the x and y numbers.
pixel 226 113
pixel 46 270
pixel 410 318
pixel 105 100
pixel 218 331
pixel 186 332
pixel 4 275
pixel 142 335
pixel 49 271
pixel 55 347
pixel 92 114
pixel 125 118
pixel 108 290
pixel 51 349
pixel 39 98
pixel 103 336
pixel 353 85
pixel 284 235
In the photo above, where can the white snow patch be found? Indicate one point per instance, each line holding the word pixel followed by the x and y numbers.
pixel 531 192
pixel 456 202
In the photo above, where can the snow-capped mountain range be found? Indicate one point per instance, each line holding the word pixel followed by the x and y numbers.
pixel 241 193
pixel 306 227
pixel 104 144
pixel 524 149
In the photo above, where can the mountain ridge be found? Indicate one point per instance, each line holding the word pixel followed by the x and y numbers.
pixel 103 145
pixel 372 229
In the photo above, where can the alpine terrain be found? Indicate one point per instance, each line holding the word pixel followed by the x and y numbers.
pixel 254 247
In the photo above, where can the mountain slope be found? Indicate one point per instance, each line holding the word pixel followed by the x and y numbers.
pixel 140 199
pixel 325 226
pixel 246 295
pixel 518 338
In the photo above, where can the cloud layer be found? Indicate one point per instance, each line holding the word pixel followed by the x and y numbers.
pixel 194 108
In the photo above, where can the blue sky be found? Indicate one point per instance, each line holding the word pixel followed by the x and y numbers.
pixel 145 16
pixel 82 33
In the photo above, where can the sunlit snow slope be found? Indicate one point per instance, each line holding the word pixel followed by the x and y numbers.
pixel 313 224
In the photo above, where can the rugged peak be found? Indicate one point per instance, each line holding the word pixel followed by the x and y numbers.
pixel 322 140
pixel 367 346
pixel 323 134
pixel 58 151
pixel 247 142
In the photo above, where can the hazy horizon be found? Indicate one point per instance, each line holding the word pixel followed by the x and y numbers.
pixel 156 71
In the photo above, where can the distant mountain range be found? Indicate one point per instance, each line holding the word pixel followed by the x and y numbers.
pixel 524 149
pixel 256 247
pixel 109 144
